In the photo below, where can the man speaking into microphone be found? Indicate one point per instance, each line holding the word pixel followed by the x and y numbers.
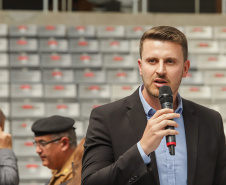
pixel 137 140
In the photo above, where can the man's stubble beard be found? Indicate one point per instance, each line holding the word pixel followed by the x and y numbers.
pixel 152 94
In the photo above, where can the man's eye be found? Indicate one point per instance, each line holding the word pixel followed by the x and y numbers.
pixel 42 143
pixel 152 61
pixel 170 61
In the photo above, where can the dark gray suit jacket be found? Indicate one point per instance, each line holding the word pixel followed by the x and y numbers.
pixel 8 167
pixel 111 156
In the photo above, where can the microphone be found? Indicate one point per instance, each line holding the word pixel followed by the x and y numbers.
pixel 166 101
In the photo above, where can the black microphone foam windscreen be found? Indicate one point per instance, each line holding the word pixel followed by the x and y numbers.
pixel 165 94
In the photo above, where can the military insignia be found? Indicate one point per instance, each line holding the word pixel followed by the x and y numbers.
pixel 65 171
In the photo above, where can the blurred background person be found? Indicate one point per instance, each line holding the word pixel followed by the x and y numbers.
pixel 76 180
pixel 8 161
pixel 55 142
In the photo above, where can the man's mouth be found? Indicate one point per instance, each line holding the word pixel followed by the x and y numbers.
pixel 160 81
pixel 42 157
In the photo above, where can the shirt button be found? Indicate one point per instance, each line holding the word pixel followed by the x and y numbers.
pixel 136 176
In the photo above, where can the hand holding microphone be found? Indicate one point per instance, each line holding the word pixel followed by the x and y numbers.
pixel 166 101
pixel 156 128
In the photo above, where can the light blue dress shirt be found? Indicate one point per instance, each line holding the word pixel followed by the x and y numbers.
pixel 172 169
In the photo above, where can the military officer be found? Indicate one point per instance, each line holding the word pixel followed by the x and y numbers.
pixel 55 142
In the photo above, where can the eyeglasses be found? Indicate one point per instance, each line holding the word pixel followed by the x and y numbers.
pixel 44 143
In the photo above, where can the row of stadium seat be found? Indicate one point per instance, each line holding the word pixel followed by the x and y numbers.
pixel 30 102
pixel 28 78
pixel 97 61
pixel 105 31
pixel 82 45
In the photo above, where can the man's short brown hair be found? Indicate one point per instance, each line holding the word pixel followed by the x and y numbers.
pixel 166 33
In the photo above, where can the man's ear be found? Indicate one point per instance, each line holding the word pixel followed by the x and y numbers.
pixel 186 68
pixel 65 143
pixel 139 65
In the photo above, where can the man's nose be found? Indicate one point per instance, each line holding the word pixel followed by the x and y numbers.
pixel 161 70
pixel 38 149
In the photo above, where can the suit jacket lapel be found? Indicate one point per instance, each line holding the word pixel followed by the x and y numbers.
pixel 136 114
pixel 138 121
pixel 191 129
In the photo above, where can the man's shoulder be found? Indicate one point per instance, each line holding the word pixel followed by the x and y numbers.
pixel 127 101
pixel 198 107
